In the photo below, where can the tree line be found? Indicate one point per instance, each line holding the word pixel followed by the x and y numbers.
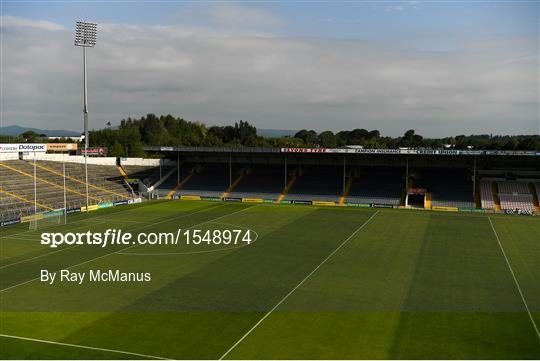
pixel 129 138
pixel 132 134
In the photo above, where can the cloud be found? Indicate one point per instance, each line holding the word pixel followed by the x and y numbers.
pixel 235 15
pixel 395 8
pixel 223 76
pixel 404 5
pixel 15 22
pixel 226 17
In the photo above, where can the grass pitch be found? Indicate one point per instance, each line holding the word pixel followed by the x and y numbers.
pixel 330 283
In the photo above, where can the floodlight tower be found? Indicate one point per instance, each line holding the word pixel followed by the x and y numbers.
pixel 85 37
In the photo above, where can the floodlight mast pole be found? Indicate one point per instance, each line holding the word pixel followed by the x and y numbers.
pixel 85 36
pixel 85 112
pixel 85 101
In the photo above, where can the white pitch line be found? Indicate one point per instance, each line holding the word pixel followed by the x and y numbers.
pixel 297 286
pixel 19 239
pixel 85 347
pixel 36 257
pixel 122 220
pixel 17 235
pixel 64 249
pixel 124 249
pixel 199 252
pixel 107 254
pixel 47 228
pixel 515 279
pixel 93 219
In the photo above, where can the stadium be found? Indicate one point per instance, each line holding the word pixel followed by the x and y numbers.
pixel 269 180
pixel 359 253
pixel 444 180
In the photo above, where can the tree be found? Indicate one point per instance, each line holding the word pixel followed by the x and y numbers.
pixel 327 139
pixel 359 134
pixel 245 133
pixel 527 143
pixel 374 134
pixel 411 139
pixel 167 130
pixel 308 136
pixel 409 134
pixel 116 150
pixel 30 136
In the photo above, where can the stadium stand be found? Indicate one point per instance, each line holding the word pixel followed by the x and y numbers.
pixel 211 180
pixel 512 187
pixel 535 190
pixel 321 183
pixel 377 185
pixel 515 195
pixel 235 180
pixel 486 195
pixel 147 174
pixel 447 188
pixel 18 186
pixel 291 180
pixel 520 202
pixel 13 206
pixel 266 182
pixel 347 189
pixel 104 180
pixel 18 179
pixel 170 184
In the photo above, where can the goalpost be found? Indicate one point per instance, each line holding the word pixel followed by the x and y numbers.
pixel 49 221
pixel 52 218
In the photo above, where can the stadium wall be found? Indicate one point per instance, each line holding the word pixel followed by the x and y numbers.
pixel 146 162
pixel 70 158
pixel 9 156
pixel 23 219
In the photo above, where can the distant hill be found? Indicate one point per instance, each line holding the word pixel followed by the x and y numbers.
pixel 275 133
pixel 17 130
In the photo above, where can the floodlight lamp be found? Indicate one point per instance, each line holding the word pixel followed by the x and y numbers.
pixel 85 34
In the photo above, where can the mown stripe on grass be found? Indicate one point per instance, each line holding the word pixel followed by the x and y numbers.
pixel 13 275
pixel 83 347
pixel 296 287
pixel 349 308
pixel 518 287
pixel 460 289
pixel 84 216
pixel 211 307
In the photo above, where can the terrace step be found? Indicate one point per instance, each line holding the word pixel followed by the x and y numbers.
pixel 69 189
pixel 496 199
pixel 182 182
pixel 536 201
pixel 237 181
pixel 346 190
pixel 80 181
pixel 427 201
pixel 287 188
pixel 26 200
pixel 123 172
pixel 477 195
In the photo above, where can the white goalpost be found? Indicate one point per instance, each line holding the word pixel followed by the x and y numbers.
pixel 53 218
pixel 45 222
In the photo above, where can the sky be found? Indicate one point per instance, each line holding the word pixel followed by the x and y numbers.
pixel 442 68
